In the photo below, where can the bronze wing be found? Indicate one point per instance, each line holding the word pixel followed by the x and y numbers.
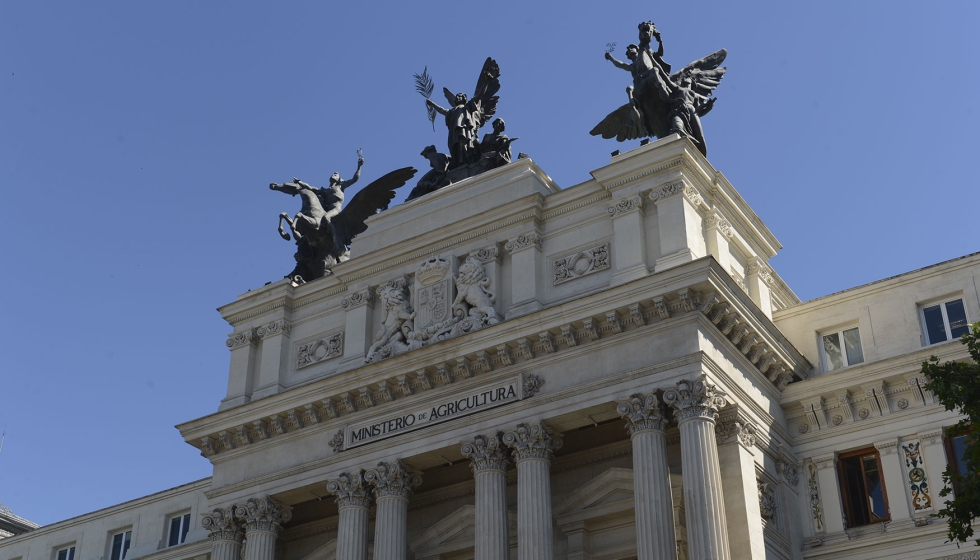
pixel 705 73
pixel 487 86
pixel 622 124
pixel 369 201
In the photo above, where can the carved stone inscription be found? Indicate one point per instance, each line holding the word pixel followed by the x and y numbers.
pixel 323 349
pixel 581 264
pixel 448 408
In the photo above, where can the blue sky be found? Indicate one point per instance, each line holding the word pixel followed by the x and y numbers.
pixel 137 141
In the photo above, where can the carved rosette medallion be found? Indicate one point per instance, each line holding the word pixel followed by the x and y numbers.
pixel 223 525
pixel 643 413
pixel 395 479
pixel 581 264
pixel 239 339
pixel 524 241
pixel 357 299
pixel 264 514
pixel 486 453
pixel 533 441
pixel 351 489
pixel 625 206
pixel 695 399
pixel 273 328
pixel 767 501
pixel 319 350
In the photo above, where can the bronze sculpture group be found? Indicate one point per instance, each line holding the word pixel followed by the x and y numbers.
pixel 659 103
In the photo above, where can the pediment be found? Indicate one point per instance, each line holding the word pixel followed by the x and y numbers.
pixel 454 533
pixel 612 486
pixel 327 551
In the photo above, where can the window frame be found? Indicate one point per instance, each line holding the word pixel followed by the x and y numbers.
pixel 951 459
pixel 184 528
pixel 126 542
pixel 839 331
pixel 941 303
pixel 846 505
pixel 70 555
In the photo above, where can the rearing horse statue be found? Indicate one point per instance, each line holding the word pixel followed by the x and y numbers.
pixel 323 232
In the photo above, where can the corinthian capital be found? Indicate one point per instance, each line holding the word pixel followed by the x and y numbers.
pixel 264 514
pixel 695 399
pixel 533 441
pixel 643 413
pixel 393 479
pixel 486 453
pixel 223 525
pixel 351 489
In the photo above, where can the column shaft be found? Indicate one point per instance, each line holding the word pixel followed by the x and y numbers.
pixel 260 545
pixel 707 533
pixel 225 550
pixel 391 529
pixel 535 540
pixel 651 490
pixel 492 538
pixel 352 533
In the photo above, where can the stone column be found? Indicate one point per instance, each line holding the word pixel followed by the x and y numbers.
pixel 241 374
pixel 354 502
pixel 533 445
pixel 743 514
pixel 833 514
pixel 645 421
pixel 695 404
pixel 717 232
pixel 934 453
pixel 679 224
pixel 358 306
pixel 274 361
pixel 488 459
pixel 896 487
pixel 226 533
pixel 758 278
pixel 263 520
pixel 393 483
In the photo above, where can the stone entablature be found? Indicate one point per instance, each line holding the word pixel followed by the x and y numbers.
pixel 515 348
pixel 539 246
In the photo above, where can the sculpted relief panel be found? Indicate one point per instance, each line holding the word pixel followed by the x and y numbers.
pixel 444 306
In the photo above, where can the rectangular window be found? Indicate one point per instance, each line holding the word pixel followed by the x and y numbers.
pixel 841 349
pixel 120 545
pixel 945 321
pixel 956 456
pixel 178 529
pixel 862 488
pixel 67 553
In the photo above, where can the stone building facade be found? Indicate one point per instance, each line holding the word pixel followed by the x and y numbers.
pixel 507 369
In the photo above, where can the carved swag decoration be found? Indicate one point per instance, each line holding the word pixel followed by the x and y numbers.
pixel 434 318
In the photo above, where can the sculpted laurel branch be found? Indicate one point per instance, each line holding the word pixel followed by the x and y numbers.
pixel 424 85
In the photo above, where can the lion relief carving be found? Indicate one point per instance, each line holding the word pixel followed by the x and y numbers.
pixel 473 295
pixel 397 323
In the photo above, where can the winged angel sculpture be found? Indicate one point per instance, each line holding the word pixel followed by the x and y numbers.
pixel 323 232
pixel 661 103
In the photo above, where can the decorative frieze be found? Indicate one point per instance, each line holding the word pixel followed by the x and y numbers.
pixel 582 263
pixel 813 490
pixel 546 342
pixel 486 453
pixel 533 441
pixel 643 413
pixel 625 206
pixel 330 346
pixel 351 489
pixel 241 338
pixel 876 398
pixel 674 188
pixel 525 241
pixel 273 328
pixel 264 514
pixel 357 299
pixel 393 478
pixel 568 335
pixel 695 399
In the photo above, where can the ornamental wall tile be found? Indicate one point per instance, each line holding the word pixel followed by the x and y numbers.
pixel 916 478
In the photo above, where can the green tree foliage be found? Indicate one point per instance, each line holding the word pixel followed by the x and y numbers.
pixel 957 385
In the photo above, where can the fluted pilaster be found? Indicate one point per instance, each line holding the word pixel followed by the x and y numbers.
pixel 695 405
pixel 226 531
pixel 354 502
pixel 263 521
pixel 393 483
pixel 645 421
pixel 533 446
pixel 488 459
